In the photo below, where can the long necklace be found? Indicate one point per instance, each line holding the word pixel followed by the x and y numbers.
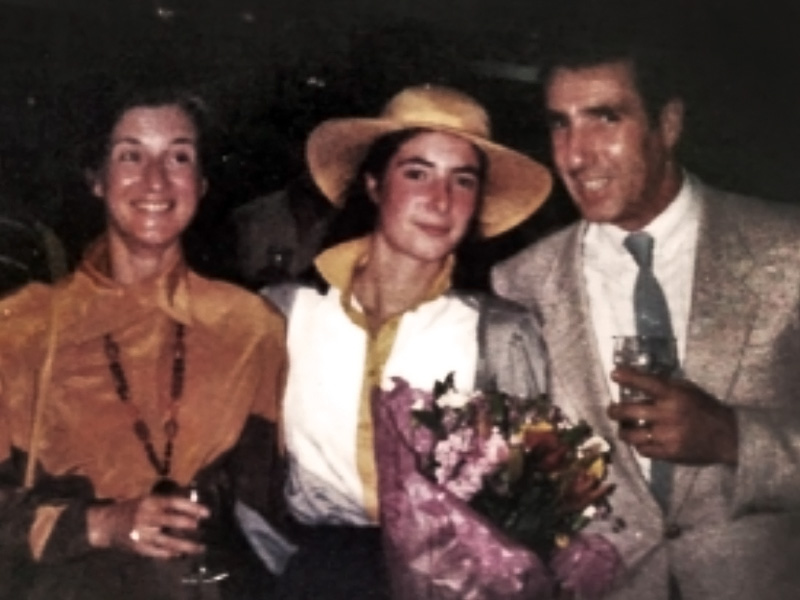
pixel 140 428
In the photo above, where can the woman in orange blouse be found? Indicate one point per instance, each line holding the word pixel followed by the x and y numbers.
pixel 128 380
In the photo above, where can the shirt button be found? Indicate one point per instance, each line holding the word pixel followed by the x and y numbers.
pixel 672 531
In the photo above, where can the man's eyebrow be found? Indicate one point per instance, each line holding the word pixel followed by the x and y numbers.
pixel 605 109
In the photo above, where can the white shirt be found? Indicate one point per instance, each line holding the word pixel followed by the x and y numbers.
pixel 610 272
pixel 322 398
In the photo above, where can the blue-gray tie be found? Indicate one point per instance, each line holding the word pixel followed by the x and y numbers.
pixel 652 319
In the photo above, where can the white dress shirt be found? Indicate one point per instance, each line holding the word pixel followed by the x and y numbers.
pixel 611 271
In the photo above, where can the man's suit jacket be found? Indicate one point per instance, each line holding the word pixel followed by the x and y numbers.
pixel 730 533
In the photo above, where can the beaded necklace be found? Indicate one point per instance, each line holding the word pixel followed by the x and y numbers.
pixel 140 428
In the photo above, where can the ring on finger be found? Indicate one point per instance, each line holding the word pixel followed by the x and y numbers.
pixel 138 534
pixel 642 423
pixel 649 436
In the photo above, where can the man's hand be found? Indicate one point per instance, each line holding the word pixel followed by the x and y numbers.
pixel 682 424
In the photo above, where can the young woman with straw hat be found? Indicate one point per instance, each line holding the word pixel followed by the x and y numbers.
pixel 431 174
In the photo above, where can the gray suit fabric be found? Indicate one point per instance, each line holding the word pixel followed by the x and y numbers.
pixel 730 533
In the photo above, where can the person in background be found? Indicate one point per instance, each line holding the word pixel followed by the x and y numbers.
pixel 424 175
pixel 132 378
pixel 707 471
pixel 278 235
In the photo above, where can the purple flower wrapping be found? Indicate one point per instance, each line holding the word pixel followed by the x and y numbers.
pixel 587 566
pixel 437 547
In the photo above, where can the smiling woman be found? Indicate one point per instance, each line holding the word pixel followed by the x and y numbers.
pixel 151 183
pixel 152 179
pixel 431 175
pixel 155 382
pixel 427 196
pixel 145 158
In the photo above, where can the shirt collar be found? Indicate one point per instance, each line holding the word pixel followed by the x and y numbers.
pixel 114 306
pixel 679 218
pixel 338 264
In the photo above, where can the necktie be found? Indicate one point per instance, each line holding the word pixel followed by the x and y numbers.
pixel 652 319
pixel 649 304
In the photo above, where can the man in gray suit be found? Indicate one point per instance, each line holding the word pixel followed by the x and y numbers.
pixel 729 267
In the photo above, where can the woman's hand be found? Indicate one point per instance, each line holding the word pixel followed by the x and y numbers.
pixel 140 525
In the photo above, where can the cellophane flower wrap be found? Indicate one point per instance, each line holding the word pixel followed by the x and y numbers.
pixel 484 495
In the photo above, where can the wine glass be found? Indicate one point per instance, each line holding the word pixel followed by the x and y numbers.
pixel 206 567
pixel 646 354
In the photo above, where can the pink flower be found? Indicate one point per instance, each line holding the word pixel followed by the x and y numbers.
pixel 496 448
pixel 464 461
pixel 469 480
pixel 451 452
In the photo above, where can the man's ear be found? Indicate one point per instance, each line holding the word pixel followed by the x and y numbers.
pixel 203 187
pixel 670 122
pixel 94 181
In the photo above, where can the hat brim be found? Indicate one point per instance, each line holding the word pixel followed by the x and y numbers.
pixel 516 185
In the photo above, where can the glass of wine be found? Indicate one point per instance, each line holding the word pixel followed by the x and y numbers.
pixel 647 354
pixel 205 568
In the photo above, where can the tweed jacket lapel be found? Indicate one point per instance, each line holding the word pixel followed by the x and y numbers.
pixel 578 376
pixel 722 313
pixel 723 304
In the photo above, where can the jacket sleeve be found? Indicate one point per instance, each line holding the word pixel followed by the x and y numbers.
pixel 767 474
pixel 512 353
pixel 766 395
pixel 768 469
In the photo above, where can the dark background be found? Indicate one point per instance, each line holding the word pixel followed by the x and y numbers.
pixel 274 68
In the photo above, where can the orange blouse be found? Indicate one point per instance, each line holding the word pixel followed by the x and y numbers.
pixel 235 365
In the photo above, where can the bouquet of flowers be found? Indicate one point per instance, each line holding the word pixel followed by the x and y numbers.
pixel 483 496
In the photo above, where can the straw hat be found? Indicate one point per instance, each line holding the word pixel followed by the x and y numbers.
pixel 515 184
